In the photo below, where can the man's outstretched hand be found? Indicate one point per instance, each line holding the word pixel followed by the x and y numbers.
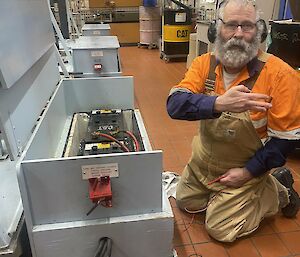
pixel 240 99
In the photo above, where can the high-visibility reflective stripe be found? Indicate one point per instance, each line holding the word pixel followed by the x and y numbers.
pixel 292 135
pixel 260 123
pixel 173 90
pixel 265 140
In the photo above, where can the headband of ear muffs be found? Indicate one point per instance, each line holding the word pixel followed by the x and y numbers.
pixel 212 31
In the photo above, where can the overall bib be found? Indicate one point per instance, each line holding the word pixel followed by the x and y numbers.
pixel 224 143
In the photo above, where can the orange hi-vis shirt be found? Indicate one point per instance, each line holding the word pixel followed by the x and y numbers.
pixel 277 79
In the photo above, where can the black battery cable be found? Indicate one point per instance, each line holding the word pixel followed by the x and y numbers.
pixel 104 247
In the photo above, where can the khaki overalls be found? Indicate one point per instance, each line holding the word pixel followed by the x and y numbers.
pixel 224 143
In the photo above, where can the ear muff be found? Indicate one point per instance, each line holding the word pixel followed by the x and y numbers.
pixel 264 33
pixel 212 28
pixel 212 31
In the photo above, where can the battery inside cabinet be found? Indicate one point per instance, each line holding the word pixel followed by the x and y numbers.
pixel 103 131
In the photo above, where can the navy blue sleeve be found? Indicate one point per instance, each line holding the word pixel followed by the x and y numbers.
pixel 189 106
pixel 272 155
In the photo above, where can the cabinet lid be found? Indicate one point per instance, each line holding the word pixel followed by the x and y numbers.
pixel 28 69
pixel 96 42
pixel 95 27
pixel 27 34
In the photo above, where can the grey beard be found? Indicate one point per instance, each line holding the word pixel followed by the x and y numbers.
pixel 235 53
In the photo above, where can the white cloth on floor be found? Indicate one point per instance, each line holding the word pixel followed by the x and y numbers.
pixel 169 182
pixel 174 253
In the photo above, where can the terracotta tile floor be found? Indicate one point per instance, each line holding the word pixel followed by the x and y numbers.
pixel 276 237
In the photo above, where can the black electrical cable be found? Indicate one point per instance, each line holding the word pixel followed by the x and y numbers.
pixel 99 248
pixel 104 248
pixel 106 251
pixel 109 247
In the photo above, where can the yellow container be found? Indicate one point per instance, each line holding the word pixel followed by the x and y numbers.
pixel 177 33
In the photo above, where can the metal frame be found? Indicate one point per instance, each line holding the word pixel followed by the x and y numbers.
pixel 60 36
pixel 45 197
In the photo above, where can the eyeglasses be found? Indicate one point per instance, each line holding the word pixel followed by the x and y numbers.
pixel 232 26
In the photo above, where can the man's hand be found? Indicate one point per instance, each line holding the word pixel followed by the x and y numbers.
pixel 240 99
pixel 236 177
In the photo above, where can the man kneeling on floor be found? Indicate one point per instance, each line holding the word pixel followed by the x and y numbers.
pixel 248 105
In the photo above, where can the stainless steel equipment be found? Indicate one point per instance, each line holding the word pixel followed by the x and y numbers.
pixel 96 56
pixel 96 30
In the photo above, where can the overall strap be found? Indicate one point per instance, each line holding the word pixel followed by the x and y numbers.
pixel 249 83
pixel 211 80
pixel 261 61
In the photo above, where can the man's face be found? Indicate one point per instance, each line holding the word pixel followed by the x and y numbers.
pixel 237 42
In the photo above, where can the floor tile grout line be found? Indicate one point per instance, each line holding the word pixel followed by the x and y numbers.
pixel 278 235
pixel 182 245
pixel 276 232
pixel 254 245
pixel 226 250
pixel 296 230
pixel 187 231
pixel 184 232
pixel 202 243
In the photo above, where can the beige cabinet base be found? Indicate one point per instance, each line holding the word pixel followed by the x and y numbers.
pixel 127 33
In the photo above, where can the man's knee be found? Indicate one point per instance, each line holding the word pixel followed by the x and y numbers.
pixel 182 201
pixel 183 198
pixel 221 232
pixel 190 198
pixel 192 205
